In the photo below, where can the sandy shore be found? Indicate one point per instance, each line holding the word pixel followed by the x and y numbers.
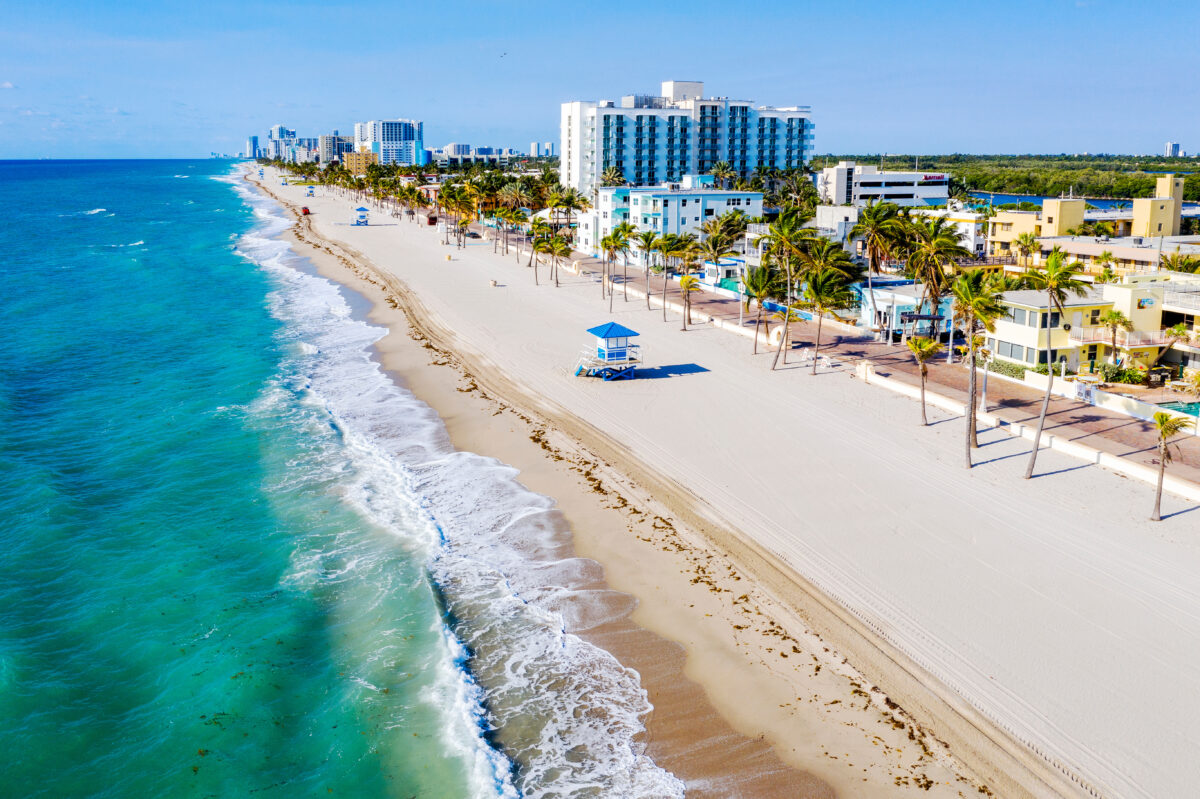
pixel 1061 621
pixel 842 735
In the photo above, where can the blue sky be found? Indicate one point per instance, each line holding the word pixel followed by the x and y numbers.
pixel 128 79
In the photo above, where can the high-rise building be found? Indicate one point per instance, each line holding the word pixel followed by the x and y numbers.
pixel 535 149
pixel 657 139
pixel 280 133
pixel 330 148
pixel 455 148
pixel 252 147
pixel 1171 150
pixel 395 141
pixel 548 149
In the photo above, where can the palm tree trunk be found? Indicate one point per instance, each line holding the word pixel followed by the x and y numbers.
pixel 646 266
pixel 871 265
pixel 625 275
pixel 757 319
pixel 924 418
pixel 1037 437
pixel 1156 516
pixel 783 339
pixel 685 298
pixel 664 290
pixel 817 343
pixel 535 269
pixel 972 424
pixel 610 295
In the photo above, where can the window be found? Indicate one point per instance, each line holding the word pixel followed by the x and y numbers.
pixel 708 211
pixel 1018 315
pixel 683 203
pixel 1032 319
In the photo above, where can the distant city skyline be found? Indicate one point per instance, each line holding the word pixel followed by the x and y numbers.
pixel 159 80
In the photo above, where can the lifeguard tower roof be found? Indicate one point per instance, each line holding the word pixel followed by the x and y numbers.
pixel 612 330
pixel 360 208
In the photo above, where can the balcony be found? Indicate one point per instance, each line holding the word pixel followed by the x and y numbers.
pixel 1125 338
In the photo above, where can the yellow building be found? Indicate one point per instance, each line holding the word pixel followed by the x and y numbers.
pixel 1150 303
pixel 1055 219
pixel 1148 217
pixel 356 163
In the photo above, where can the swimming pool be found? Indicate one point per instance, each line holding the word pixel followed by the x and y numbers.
pixel 1192 408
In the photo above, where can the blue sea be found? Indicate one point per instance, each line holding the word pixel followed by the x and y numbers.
pixel 239 559
pixel 1037 199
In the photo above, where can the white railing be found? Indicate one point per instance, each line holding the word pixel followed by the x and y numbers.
pixel 1183 299
pixel 1125 338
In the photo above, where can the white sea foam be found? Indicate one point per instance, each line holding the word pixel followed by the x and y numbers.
pixel 95 211
pixel 566 711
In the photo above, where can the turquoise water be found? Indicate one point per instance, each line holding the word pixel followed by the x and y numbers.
pixel 1183 407
pixel 238 557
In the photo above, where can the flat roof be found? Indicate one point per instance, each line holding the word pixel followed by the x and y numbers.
pixel 1030 298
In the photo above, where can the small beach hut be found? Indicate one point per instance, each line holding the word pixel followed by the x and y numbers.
pixel 360 217
pixel 612 357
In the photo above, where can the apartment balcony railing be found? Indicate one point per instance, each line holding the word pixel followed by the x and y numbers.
pixel 1183 299
pixel 1125 338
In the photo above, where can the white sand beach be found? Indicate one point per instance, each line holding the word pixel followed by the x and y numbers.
pixel 1043 629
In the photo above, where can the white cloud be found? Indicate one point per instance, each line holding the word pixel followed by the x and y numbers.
pixel 8 84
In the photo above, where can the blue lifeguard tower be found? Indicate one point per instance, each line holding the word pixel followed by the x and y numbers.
pixel 613 357
pixel 361 217
pixel 309 193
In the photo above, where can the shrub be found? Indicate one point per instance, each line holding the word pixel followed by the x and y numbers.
pixel 1115 374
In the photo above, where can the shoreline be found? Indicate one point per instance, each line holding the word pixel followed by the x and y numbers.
pixel 560 441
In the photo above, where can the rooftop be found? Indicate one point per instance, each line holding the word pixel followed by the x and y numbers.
pixel 1188 245
pixel 1037 299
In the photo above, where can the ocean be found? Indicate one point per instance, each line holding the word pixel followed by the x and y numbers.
pixel 239 558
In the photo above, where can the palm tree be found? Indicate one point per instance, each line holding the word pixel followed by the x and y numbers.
pixel 936 250
pixel 879 228
pixel 827 290
pixel 623 233
pixel 977 306
pixel 668 247
pixel 760 284
pixel 1167 427
pixel 647 242
pixel 1173 335
pixel 924 350
pixel 1179 262
pixel 539 229
pixel 714 248
pixel 722 172
pixel 539 245
pixel 1026 244
pixel 1057 278
pixel 1114 320
pixel 688 284
pixel 612 176
pixel 560 248
pixel 1105 260
pixel 787 243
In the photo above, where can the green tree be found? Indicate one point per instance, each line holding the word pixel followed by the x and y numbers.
pixel 647 242
pixel 826 291
pixel 1114 320
pixel 1167 426
pixel 878 226
pixel 1026 244
pixel 1057 278
pixel 612 176
pixel 923 350
pixel 977 306
pixel 688 284
pixel 760 284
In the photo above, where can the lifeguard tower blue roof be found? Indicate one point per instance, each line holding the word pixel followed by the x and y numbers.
pixel 612 330
pixel 362 209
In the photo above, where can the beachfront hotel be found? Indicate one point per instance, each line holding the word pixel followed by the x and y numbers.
pixel 659 139
pixel 850 183
pixel 679 208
